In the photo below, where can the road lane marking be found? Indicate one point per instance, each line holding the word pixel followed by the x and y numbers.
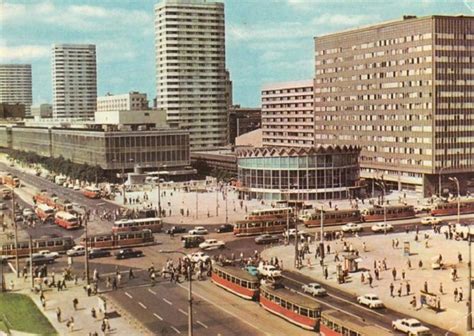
pixel 168 302
pixel 179 332
pixel 158 317
pixel 199 322
pixel 182 311
pixel 142 305
pixel 131 297
pixel 152 292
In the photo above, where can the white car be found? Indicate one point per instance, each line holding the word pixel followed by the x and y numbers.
pixel 381 227
pixel 77 187
pixel 431 220
pixel 198 256
pixel 269 271
pixel 27 212
pixel 211 244
pixel 198 230
pixel 78 250
pixel 314 289
pixel 351 227
pixel 48 253
pixel 370 300
pixel 292 232
pixel 410 326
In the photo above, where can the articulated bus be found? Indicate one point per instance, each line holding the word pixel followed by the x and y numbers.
pixel 271 213
pixel 66 220
pixel 91 192
pixel 293 307
pixel 338 323
pixel 123 225
pixel 120 239
pixel 451 208
pixel 44 212
pixel 61 244
pixel 332 217
pixel 393 212
pixel 260 226
pixel 236 280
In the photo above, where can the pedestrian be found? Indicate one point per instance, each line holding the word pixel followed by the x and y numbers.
pixel 394 274
pixel 362 277
pixel 130 274
pixel 455 293
pixel 114 284
pixel 399 290
pixel 58 314
pixel 460 294
pixel 408 287
pixel 391 289
pixel 93 313
pixel 409 263
pixel 75 302
pixel 103 327
pixel 459 257
pixel 425 287
pixel 326 273
pixel 377 274
pixel 369 277
pixel 403 274
pixel 441 288
pixel 420 264
pixel 71 324
pixel 413 302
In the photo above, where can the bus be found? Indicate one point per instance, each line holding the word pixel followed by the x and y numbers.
pixel 91 192
pixel 333 217
pixel 270 213
pixel 451 208
pixel 293 307
pixel 261 226
pixel 338 323
pixel 236 281
pixel 120 239
pixel 59 244
pixel 66 220
pixel 6 193
pixel 44 212
pixel 393 212
pixel 45 198
pixel 152 224
pixel 11 180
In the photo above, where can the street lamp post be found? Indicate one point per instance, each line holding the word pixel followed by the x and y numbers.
pixel 190 294
pixel 17 261
pixel 469 300
pixel 382 186
pixel 322 232
pixel 86 258
pixel 226 211
pixel 217 198
pixel 439 180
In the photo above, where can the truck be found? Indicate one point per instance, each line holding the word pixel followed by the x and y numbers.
pixel 10 180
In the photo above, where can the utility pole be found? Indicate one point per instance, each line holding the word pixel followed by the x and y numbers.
pixel 322 232
pixel 197 203
pixel 87 253
pixel 226 213
pixel 190 302
pixel 217 197
pixel 159 197
pixel 31 262
pixel 17 261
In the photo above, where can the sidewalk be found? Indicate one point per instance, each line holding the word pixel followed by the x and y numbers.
pixel 453 316
pixel 84 323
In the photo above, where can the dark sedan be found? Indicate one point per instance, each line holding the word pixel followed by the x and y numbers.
pixel 176 229
pixel 98 253
pixel 128 253
pixel 39 259
pixel 225 228
pixel 267 239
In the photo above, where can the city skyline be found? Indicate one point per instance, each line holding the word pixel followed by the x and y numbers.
pixel 266 42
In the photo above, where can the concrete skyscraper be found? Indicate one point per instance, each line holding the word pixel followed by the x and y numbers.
pixel 74 80
pixel 190 69
pixel 15 85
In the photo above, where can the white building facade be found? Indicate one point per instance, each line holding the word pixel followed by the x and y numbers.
pixel 132 101
pixel 190 69
pixel 15 85
pixel 74 74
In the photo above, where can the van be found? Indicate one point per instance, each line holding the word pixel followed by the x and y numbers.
pixel 192 241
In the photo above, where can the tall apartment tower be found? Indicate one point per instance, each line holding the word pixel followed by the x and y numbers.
pixel 403 90
pixel 15 85
pixel 190 69
pixel 288 114
pixel 74 80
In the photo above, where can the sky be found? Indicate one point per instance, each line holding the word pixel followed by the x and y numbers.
pixel 267 41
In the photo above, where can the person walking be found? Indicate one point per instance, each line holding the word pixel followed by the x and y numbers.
pixel 441 288
pixel 391 289
pixel 75 302
pixel 403 274
pixel 394 274
pixel 408 287
pixel 460 294
pixel 455 293
pixel 58 314
pixel 130 274
pixel 425 287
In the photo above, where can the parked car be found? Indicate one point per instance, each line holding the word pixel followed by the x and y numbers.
pixel 314 289
pixel 267 239
pixel 176 229
pixel 252 270
pixel 27 212
pixel 225 228
pixel 269 271
pixel 198 256
pixel 292 232
pixel 128 253
pixel 411 327
pixel 370 300
pixel 77 250
pixel 198 230
pixel 48 253
pixel 381 227
pixel 39 259
pixel 431 220
pixel 192 241
pixel 98 253
pixel 211 244
pixel 3 206
pixel 77 187
pixel 351 227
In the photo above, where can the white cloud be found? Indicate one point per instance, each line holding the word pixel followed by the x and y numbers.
pixel 255 32
pixel 23 52
pixel 342 19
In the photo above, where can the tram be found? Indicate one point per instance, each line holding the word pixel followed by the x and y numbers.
pixel 332 217
pixel 451 208
pixel 123 225
pixel 338 323
pixel 392 212
pixel 270 213
pixel 59 244
pixel 260 226
pixel 236 281
pixel 120 239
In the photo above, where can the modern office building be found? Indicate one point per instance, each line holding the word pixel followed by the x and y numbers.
pixel 243 120
pixel 288 114
pixel 192 83
pixel 278 173
pixel 402 90
pixel 74 77
pixel 132 101
pixel 15 85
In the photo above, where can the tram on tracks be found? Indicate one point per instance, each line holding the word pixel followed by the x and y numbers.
pixel 56 244
pixel 153 224
pixel 120 239
pixel 270 213
pixel 236 281
pixel 392 212
pixel 332 217
pixel 338 323
pixel 260 226
pixel 451 208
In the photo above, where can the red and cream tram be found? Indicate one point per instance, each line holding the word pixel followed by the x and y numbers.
pixel 120 239
pixel 393 212
pixel 293 307
pixel 60 244
pixel 236 281
pixel 332 217
pixel 451 208
pixel 261 226
pixel 338 323
pixel 123 225
pixel 270 213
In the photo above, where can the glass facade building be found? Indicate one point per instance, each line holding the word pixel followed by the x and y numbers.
pixel 323 172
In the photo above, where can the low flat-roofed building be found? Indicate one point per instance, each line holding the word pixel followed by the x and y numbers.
pixel 149 118
pixel 222 160
pixel 42 111
pixel 250 139
pixel 132 101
